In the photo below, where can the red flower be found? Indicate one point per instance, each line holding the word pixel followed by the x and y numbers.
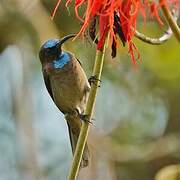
pixel 118 17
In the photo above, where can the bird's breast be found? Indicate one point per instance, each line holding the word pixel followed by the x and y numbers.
pixel 68 85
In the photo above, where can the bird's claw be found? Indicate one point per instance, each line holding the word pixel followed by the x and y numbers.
pixel 93 79
pixel 85 118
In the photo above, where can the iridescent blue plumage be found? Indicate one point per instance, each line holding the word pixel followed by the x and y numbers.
pixel 61 61
pixel 51 43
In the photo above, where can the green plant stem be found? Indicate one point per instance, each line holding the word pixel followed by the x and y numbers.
pixel 172 23
pixel 99 60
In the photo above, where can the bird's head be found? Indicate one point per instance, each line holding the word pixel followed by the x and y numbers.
pixel 51 49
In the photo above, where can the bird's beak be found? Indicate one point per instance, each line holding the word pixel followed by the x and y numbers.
pixel 64 39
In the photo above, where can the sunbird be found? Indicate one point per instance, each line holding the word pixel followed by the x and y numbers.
pixel 67 85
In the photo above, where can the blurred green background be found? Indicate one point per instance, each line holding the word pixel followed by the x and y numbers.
pixel 137 118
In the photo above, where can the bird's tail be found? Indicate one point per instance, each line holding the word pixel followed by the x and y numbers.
pixel 74 126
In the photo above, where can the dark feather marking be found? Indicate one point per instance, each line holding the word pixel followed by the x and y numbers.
pixel 73 145
pixel 48 84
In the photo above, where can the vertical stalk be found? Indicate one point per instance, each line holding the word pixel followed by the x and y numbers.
pixel 172 23
pixel 99 60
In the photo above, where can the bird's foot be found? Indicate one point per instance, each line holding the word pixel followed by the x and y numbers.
pixel 94 79
pixel 85 118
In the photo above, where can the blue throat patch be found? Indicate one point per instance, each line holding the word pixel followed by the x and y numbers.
pixel 61 61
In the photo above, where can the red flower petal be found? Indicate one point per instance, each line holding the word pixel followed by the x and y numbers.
pixel 127 12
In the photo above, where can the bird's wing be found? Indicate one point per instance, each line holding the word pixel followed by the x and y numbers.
pixel 48 85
